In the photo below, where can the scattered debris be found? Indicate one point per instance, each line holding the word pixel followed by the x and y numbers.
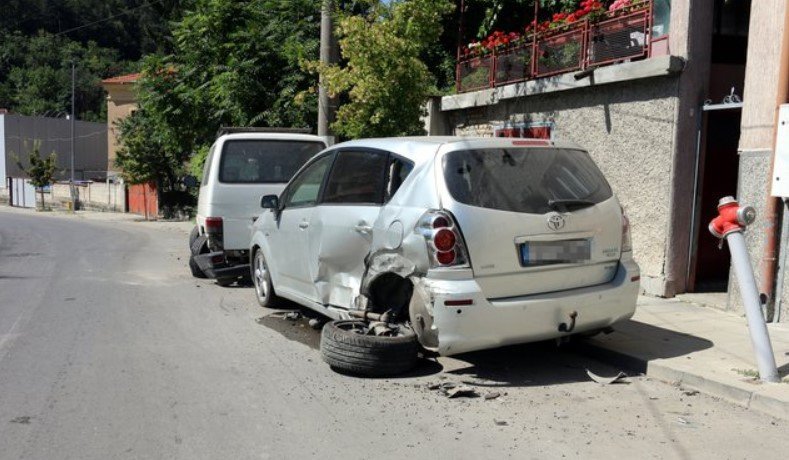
pixel 315 323
pixel 492 395
pixel 457 392
pixel 606 380
pixel 293 316
pixel 652 398
pixel 690 392
pixel 23 420
pixel 682 421
pixel 500 422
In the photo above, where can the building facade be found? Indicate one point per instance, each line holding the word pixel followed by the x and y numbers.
pixel 686 118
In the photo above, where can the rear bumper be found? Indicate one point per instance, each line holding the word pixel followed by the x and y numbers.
pixel 212 268
pixel 494 323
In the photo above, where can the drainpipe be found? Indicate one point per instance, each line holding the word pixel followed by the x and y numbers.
pixel 771 229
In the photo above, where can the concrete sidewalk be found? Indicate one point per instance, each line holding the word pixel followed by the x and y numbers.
pixel 698 347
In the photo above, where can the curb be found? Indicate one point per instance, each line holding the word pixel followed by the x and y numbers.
pixel 758 399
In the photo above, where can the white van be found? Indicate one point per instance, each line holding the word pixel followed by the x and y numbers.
pixel 242 165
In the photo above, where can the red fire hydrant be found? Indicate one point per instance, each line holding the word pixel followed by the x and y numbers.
pixel 731 217
pixel 731 221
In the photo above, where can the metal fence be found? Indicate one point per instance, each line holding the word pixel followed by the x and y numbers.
pixel 617 37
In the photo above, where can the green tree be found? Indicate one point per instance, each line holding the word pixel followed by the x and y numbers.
pixel 40 170
pixel 383 77
pixel 233 64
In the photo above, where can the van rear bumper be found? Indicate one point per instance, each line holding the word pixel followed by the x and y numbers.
pixel 492 323
pixel 214 265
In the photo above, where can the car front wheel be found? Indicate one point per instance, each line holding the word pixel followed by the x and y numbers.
pixel 261 278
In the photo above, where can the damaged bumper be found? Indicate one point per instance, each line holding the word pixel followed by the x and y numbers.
pixel 464 320
pixel 215 265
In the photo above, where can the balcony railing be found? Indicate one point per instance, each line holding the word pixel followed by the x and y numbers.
pixel 612 39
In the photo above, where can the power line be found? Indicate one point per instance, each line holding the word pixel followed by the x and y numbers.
pixel 99 21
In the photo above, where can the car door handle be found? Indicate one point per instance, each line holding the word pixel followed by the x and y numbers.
pixel 363 228
pixel 303 225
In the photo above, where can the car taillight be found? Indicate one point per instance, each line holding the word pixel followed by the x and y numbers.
pixel 444 242
pixel 627 244
pixel 213 230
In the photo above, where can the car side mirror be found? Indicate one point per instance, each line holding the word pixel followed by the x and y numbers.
pixel 190 181
pixel 269 202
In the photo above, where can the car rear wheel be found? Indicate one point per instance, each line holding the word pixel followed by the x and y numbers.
pixel 261 278
pixel 347 347
pixel 199 246
pixel 193 236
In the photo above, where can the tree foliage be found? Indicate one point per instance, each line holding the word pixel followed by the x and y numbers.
pixel 233 64
pixel 382 76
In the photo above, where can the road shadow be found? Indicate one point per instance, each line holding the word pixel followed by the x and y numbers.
pixel 633 344
pixel 527 365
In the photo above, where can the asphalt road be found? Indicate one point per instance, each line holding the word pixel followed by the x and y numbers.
pixel 109 349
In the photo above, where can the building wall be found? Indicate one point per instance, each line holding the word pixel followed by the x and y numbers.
pixel 54 135
pixel 767 59
pixel 629 130
pixel 121 102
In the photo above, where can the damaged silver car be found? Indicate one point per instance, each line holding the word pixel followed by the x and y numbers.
pixel 452 244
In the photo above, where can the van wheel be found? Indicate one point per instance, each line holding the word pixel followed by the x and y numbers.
pixel 199 246
pixel 346 348
pixel 261 278
pixel 193 236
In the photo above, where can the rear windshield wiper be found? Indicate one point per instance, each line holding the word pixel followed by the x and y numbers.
pixel 568 203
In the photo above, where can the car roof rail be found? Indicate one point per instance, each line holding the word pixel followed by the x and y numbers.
pixel 253 129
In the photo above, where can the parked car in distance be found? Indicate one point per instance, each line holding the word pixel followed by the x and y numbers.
pixel 455 244
pixel 242 165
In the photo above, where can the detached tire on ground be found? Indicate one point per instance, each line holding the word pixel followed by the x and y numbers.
pixel 199 246
pixel 349 351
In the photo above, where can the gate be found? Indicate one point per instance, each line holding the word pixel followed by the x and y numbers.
pixel 144 200
pixel 21 192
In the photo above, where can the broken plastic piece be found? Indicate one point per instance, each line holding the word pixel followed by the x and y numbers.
pixel 606 380
pixel 457 392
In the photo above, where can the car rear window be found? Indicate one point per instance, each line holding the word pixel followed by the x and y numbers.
pixel 523 180
pixel 264 161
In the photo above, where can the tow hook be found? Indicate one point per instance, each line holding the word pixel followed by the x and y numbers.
pixel 563 327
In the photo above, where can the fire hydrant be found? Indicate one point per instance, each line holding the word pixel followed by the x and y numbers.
pixel 731 221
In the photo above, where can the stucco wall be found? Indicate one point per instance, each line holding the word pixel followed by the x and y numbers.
pixel 121 102
pixel 629 129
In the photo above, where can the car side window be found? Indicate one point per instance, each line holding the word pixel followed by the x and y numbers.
pixel 304 189
pixel 358 176
pixel 398 170
pixel 207 165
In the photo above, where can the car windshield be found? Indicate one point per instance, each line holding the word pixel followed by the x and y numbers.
pixel 264 161
pixel 524 180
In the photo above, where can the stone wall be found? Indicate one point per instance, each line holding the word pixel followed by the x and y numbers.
pixel 629 130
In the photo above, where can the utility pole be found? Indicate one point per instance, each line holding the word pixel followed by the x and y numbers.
pixel 73 189
pixel 327 106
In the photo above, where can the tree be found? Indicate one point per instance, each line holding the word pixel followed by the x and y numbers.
pixel 40 170
pixel 233 64
pixel 383 78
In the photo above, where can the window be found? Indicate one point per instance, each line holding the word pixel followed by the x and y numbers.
pixel 304 189
pixel 207 165
pixel 262 161
pixel 398 170
pixel 524 180
pixel 357 177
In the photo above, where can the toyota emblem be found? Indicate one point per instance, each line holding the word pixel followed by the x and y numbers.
pixel 556 222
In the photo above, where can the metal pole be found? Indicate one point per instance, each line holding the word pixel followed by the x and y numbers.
pixel 71 182
pixel 760 338
pixel 328 48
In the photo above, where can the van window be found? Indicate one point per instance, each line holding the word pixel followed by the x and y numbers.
pixel 263 161
pixel 525 180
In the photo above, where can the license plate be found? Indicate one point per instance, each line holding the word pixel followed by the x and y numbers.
pixel 555 252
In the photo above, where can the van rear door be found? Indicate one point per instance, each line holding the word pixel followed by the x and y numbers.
pixel 535 220
pixel 248 169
